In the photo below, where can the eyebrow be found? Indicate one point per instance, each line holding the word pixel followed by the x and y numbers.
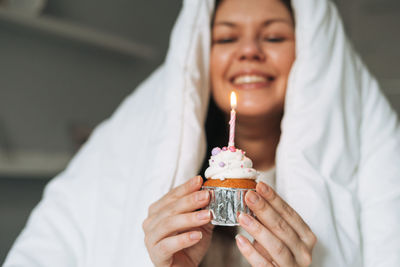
pixel 264 24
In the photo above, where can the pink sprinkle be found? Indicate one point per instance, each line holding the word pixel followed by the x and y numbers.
pixel 212 160
pixel 249 170
pixel 224 148
pixel 232 149
pixel 215 151
pixel 241 166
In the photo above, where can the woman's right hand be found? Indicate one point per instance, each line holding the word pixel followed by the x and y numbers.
pixel 175 233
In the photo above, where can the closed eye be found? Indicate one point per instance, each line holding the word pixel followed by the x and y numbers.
pixel 225 41
pixel 275 40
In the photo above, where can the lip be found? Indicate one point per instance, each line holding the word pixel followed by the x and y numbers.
pixel 257 85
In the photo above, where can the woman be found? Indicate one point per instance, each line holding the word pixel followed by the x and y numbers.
pixel 336 161
pixel 253 48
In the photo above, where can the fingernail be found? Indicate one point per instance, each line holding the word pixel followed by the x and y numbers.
pixel 195 235
pixel 245 219
pixel 202 195
pixel 240 240
pixel 263 188
pixel 253 197
pixel 203 215
pixel 196 180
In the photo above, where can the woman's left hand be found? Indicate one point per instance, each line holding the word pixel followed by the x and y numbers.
pixel 281 237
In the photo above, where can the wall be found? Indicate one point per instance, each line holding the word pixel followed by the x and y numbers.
pixel 48 83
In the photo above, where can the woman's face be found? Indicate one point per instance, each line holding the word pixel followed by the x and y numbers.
pixel 253 48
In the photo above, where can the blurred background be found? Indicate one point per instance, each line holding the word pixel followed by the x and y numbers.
pixel 65 65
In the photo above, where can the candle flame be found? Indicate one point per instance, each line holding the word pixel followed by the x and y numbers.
pixel 233 100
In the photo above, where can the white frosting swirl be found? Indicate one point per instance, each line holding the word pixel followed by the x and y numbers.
pixel 232 164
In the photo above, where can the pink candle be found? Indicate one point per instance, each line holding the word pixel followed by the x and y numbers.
pixel 232 121
pixel 232 129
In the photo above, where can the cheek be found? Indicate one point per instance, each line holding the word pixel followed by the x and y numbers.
pixel 282 58
pixel 219 64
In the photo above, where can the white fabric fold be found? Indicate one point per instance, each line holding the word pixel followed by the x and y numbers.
pixel 326 131
pixel 337 160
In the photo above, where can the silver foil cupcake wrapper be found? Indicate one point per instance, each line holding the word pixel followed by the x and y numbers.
pixel 226 203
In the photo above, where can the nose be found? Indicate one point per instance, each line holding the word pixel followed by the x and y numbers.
pixel 251 50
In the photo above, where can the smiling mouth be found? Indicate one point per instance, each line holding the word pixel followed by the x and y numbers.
pixel 252 79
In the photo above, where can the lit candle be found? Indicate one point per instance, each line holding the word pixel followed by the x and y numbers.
pixel 232 121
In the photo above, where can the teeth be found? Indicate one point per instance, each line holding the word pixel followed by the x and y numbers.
pixel 249 79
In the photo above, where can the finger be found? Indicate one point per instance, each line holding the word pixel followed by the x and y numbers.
pixel 279 252
pixel 250 253
pixel 170 245
pixel 178 223
pixel 190 186
pixel 278 226
pixel 189 203
pixel 262 250
pixel 288 213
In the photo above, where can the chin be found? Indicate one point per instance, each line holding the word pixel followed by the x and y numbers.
pixel 257 111
pixel 260 104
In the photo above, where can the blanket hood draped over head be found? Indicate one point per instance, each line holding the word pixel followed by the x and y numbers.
pixel 337 160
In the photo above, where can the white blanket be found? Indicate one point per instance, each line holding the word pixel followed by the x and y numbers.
pixel 337 161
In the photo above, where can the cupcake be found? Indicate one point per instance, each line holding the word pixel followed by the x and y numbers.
pixel 229 176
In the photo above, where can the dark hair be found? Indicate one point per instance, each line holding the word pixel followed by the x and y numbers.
pixel 288 4
pixel 216 131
